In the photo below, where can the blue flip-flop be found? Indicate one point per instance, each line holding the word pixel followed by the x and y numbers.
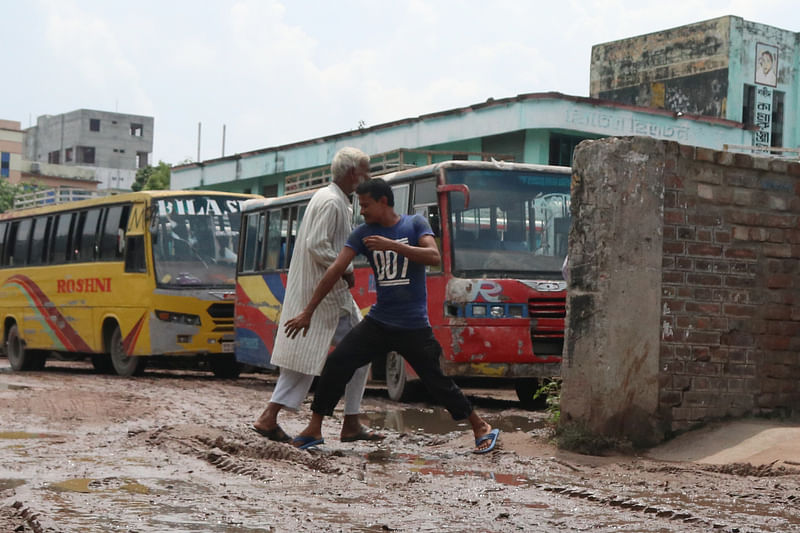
pixel 304 442
pixel 492 436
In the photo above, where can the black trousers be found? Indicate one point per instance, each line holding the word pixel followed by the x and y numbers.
pixel 370 339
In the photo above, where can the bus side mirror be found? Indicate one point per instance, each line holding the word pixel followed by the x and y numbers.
pixel 456 187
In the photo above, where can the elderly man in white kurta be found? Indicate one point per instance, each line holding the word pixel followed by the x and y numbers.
pixel 323 233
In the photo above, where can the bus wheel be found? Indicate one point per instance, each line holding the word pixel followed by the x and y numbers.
pixel 123 365
pixel 102 363
pixel 225 366
pixel 396 379
pixel 19 357
pixel 526 388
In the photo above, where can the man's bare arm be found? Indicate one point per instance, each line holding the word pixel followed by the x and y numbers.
pixel 334 272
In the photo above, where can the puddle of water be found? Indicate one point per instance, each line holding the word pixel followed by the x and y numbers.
pixel 513 480
pixel 72 485
pixel 6 484
pixel 25 435
pixel 438 421
pixel 134 501
pixel 512 423
pixel 87 485
pixel 7 386
pixel 425 466
pixel 134 487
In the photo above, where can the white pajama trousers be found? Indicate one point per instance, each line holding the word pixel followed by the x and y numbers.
pixel 292 386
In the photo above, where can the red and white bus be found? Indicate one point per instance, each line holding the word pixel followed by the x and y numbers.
pixel 496 304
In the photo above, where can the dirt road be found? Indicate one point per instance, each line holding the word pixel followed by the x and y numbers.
pixel 172 452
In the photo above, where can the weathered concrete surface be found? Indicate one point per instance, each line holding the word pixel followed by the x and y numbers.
pixel 683 297
pixel 610 370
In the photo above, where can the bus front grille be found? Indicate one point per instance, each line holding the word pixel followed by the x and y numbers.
pixel 547 325
pixel 547 308
pixel 221 310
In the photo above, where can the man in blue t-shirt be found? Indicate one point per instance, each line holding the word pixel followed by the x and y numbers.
pixel 398 248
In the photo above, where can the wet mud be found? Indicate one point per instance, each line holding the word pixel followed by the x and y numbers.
pixel 173 451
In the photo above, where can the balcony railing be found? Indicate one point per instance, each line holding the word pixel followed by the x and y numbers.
pixel 384 163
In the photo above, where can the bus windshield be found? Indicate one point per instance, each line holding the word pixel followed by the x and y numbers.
pixel 516 223
pixel 195 239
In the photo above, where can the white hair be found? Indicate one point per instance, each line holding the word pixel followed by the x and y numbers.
pixel 345 160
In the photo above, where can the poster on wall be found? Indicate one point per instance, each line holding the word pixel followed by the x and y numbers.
pixel 766 64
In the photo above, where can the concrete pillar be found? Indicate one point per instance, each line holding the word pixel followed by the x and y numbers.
pixel 611 354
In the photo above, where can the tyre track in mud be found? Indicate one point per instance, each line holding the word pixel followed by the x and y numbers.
pixel 646 508
pixel 662 507
pixel 240 455
pixel 30 518
pixel 236 453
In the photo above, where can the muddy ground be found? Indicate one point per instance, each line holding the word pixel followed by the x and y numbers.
pixel 172 451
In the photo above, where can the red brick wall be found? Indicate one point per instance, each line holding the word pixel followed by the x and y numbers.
pixel 730 338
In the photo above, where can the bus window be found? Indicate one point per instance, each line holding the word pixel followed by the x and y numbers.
pixel 75 237
pixel 254 231
pixel 431 214
pixel 286 220
pixel 88 243
pixel 516 222
pixel 134 254
pixel 21 241
pixel 3 227
pixel 40 226
pixel 11 238
pixel 273 240
pixel 426 205
pixel 425 192
pixel 400 199
pixel 301 211
pixel 112 239
pixel 294 224
pixel 61 243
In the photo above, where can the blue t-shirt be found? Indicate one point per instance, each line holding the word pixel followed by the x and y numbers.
pixel 402 295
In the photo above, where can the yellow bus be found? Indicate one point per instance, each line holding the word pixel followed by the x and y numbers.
pixel 121 277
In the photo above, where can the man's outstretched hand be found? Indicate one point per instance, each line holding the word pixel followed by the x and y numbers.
pixel 297 324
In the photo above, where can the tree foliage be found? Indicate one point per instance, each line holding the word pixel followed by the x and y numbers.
pixel 9 191
pixel 152 177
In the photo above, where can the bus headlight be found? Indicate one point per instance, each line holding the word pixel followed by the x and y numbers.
pixel 478 310
pixel 178 318
pixel 497 311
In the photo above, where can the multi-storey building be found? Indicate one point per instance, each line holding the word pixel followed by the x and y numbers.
pixel 10 150
pixel 724 84
pixel 114 145
pixel 726 67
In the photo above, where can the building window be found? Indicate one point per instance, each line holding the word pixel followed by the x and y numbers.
pixel 94 124
pixel 5 164
pixel 86 155
pixel 561 148
pixel 777 118
pixel 68 155
pixel 749 113
pixel 141 159
pixel 136 130
pixel 748 104
pixel 269 191
pixel 54 157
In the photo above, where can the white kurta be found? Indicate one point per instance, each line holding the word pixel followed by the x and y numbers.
pixel 322 235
